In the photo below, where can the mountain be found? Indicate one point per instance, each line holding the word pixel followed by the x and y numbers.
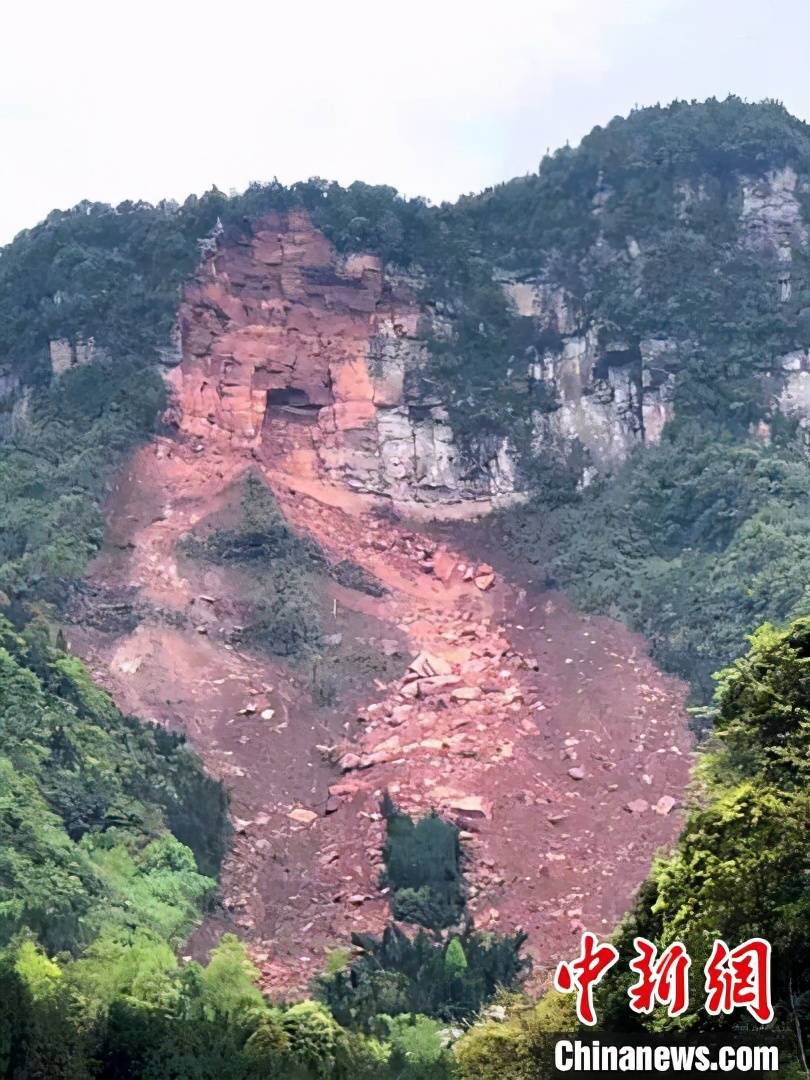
pixel 294 472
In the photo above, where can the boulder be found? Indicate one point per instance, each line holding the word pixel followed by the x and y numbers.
pixel 437 684
pixel 349 787
pixel 426 664
pixel 443 565
pixel 471 806
pixel 399 714
pixel 665 805
pixel 301 815
pixel 351 761
pixel 466 693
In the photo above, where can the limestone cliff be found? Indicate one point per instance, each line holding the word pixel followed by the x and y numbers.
pixel 609 396
pixel 614 390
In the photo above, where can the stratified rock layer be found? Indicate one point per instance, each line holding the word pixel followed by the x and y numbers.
pixel 287 343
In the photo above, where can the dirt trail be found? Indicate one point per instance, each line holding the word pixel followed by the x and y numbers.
pixel 531 725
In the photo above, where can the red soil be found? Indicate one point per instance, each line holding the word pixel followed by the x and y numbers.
pixel 532 690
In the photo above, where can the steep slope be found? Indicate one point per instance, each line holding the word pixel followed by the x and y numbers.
pixel 647 291
pixel 521 719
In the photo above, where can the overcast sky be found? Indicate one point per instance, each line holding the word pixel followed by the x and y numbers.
pixel 108 101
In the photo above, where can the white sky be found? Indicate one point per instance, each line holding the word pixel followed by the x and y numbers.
pixel 108 101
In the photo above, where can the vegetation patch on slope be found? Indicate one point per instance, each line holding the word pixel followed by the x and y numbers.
pixel 442 971
pixel 693 543
pixel 423 868
pixel 287 604
pixel 107 825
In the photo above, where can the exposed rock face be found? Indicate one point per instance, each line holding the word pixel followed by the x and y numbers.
pixel 547 303
pixel 771 215
pixel 282 332
pixel 69 354
pixel 13 402
pixel 608 396
pixel 282 335
pixel 612 395
pixel 794 399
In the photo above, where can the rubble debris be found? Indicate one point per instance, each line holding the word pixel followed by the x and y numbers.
pixel 665 805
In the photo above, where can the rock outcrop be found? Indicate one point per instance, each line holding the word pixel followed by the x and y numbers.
pixel 66 354
pixel 608 396
pixel 283 336
pixel 794 398
pixel 283 341
pixel 771 214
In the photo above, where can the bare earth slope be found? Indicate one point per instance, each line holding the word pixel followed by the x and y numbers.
pixel 538 731
pixel 550 737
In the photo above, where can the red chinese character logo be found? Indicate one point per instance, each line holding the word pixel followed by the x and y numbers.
pixel 584 973
pixel 740 978
pixel 662 980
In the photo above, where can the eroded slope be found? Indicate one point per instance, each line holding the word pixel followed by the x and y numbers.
pixel 550 737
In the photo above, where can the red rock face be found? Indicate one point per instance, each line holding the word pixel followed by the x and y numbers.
pixel 276 337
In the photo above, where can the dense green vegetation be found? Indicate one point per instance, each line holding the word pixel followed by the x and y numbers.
pixel 54 471
pixel 448 979
pixel 444 973
pixel 108 826
pixel 140 1016
pixel 126 1008
pixel 694 543
pixel 423 868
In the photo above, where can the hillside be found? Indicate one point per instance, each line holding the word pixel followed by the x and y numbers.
pixel 312 477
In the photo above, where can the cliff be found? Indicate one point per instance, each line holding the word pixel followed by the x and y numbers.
pixel 449 383
pixel 453 356
pixel 285 342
